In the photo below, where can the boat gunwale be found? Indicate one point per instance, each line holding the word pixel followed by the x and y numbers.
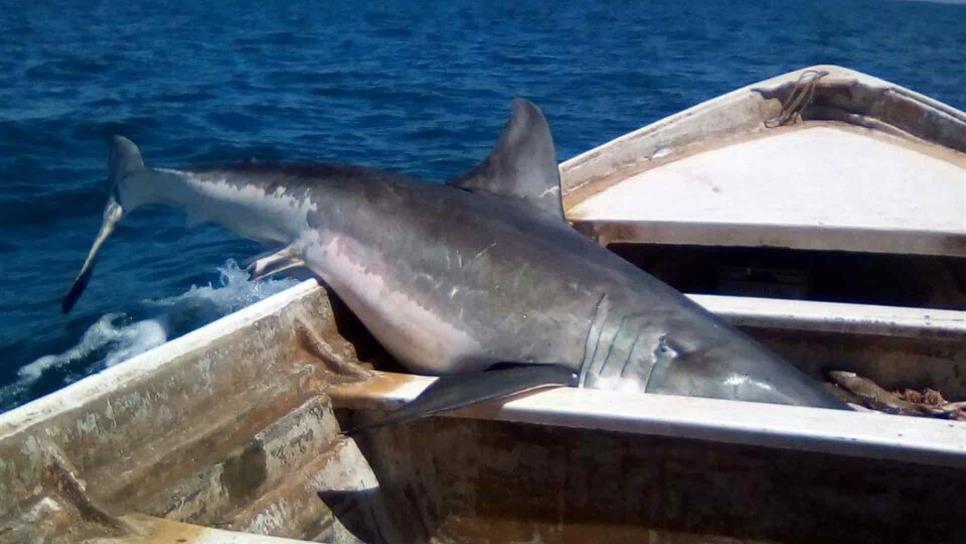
pixel 142 366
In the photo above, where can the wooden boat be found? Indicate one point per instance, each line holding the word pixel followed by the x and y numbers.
pixel 231 433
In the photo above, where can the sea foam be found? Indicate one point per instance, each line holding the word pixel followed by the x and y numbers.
pixel 116 337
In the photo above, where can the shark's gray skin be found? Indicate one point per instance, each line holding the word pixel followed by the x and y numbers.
pixel 452 279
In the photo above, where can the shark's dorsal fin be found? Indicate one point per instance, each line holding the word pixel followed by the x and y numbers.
pixel 523 163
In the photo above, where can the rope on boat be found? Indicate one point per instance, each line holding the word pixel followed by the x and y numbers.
pixel 800 97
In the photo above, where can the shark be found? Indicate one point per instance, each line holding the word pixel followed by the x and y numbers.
pixel 479 280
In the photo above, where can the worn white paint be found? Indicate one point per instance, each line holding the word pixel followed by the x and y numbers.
pixel 816 176
pixel 740 110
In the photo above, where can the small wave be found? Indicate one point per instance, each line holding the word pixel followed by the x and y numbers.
pixel 201 305
pixel 116 337
pixel 109 335
pixel 53 69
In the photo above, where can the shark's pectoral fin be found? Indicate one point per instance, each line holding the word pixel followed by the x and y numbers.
pixel 523 163
pixel 461 390
pixel 265 265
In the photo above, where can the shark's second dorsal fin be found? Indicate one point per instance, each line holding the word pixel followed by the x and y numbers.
pixel 523 163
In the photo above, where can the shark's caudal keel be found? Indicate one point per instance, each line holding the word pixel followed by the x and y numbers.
pixel 454 278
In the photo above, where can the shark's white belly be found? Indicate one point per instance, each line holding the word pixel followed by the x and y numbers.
pixel 412 333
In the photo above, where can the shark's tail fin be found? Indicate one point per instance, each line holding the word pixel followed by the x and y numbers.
pixel 125 159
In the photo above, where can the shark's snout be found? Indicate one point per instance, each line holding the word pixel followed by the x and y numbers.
pixel 737 371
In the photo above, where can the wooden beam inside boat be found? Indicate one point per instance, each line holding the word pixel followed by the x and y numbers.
pixel 837 317
pixel 865 434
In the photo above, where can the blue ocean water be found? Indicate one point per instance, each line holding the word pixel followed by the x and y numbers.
pixel 419 87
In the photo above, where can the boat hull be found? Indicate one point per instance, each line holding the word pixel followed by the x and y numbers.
pixel 237 426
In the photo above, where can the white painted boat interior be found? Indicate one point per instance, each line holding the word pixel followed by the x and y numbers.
pixel 823 184
pixel 862 165
pixel 816 174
